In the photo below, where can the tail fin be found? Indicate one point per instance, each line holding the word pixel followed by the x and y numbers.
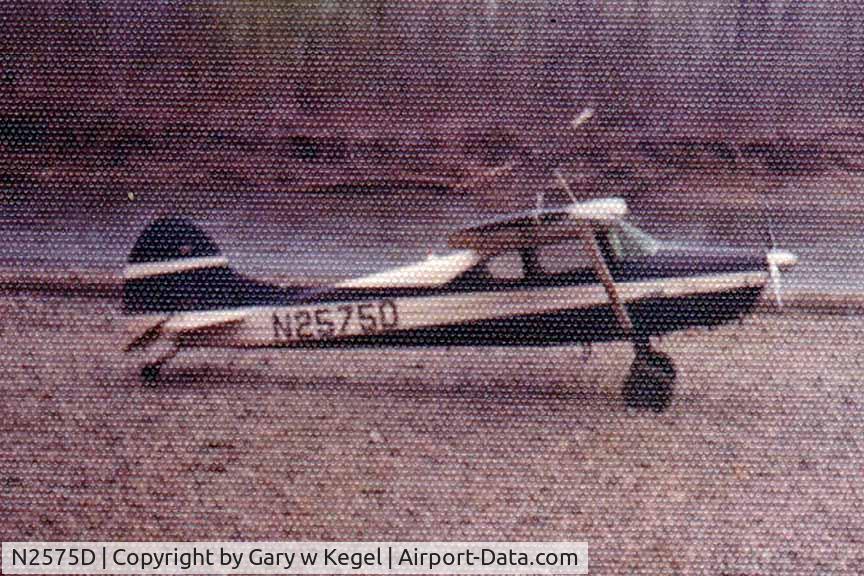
pixel 174 266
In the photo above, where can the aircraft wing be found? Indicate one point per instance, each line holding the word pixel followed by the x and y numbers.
pixel 537 227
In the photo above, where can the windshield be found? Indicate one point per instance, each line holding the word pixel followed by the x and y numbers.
pixel 628 242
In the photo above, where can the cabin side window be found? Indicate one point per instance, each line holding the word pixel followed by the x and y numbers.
pixel 569 256
pixel 506 266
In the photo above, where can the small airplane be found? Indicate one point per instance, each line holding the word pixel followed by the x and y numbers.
pixel 573 274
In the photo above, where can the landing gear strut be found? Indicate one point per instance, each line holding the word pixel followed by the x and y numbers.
pixel 651 379
pixel 150 372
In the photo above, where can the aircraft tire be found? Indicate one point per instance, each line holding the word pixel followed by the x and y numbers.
pixel 650 383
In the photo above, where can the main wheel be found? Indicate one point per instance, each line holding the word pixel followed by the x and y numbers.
pixel 150 373
pixel 650 382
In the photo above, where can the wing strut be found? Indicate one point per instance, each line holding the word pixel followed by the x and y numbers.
pixel 601 268
pixel 608 282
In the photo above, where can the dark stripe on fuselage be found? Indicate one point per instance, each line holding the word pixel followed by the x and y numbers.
pixel 586 325
pixel 595 324
pixel 222 288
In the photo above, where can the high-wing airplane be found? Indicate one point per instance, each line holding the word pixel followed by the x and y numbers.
pixel 578 273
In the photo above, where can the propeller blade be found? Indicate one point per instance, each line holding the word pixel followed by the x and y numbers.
pixel 770 240
pixel 779 260
pixel 774 273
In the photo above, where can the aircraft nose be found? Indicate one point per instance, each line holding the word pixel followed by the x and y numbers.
pixel 782 259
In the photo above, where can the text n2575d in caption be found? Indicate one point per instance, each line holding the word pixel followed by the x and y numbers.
pixel 294 558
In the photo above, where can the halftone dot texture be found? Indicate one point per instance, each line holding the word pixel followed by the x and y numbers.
pixel 320 140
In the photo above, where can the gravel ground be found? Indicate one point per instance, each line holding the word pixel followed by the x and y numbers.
pixel 758 467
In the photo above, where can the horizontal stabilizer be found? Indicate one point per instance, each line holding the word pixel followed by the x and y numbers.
pixel 184 325
pixel 200 321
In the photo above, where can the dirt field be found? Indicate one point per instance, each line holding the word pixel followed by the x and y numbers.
pixel 758 468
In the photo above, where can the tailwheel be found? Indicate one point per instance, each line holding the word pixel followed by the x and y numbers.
pixel 651 380
pixel 150 373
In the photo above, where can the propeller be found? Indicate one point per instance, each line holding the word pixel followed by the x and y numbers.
pixel 773 267
pixel 776 283
pixel 777 260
